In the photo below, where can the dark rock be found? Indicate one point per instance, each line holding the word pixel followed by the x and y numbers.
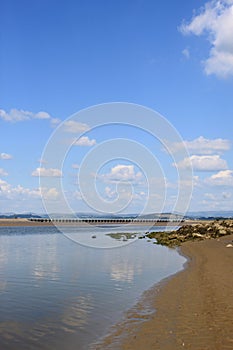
pixel 193 232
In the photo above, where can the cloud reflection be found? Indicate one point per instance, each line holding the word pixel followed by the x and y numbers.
pixel 46 260
pixel 124 271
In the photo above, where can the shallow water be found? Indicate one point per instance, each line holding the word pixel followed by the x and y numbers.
pixel 57 294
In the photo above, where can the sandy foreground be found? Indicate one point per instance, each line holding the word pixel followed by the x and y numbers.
pixel 194 308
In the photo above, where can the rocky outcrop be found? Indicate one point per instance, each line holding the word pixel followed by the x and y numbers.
pixel 193 232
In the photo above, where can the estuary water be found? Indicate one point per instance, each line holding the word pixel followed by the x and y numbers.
pixel 57 294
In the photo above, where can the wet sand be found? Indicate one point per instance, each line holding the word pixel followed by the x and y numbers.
pixel 22 222
pixel 194 308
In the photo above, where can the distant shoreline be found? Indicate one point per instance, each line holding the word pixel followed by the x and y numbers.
pixel 26 222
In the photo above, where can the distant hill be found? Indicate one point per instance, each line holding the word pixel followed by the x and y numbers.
pixel 156 216
pixel 19 216
pixel 210 214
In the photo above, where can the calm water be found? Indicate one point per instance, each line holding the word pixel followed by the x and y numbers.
pixel 56 294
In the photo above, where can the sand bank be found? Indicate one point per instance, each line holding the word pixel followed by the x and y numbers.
pixel 26 222
pixel 194 308
pixel 22 222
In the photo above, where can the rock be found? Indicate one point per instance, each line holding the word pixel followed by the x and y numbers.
pixel 229 245
pixel 197 235
pixel 222 231
pixel 185 233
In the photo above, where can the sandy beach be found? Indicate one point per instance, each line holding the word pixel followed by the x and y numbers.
pixel 22 222
pixel 194 308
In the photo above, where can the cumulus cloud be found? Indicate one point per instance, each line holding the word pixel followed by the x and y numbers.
pixel 85 141
pixel 19 115
pixel 49 172
pixel 7 191
pixel 124 194
pixel 5 156
pixel 122 173
pixel 41 115
pixel 74 127
pixel 14 115
pixel 49 193
pixel 203 146
pixel 110 193
pixel 222 178
pixel 3 172
pixel 203 163
pixel 215 20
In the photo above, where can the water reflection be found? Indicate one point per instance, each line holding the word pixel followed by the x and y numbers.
pixel 122 272
pixel 3 285
pixel 77 313
pixel 54 292
pixel 46 260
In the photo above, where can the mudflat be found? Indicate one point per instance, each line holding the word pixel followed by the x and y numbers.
pixel 194 308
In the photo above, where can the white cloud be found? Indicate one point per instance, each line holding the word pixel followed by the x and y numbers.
pixel 5 156
pixel 74 127
pixel 75 166
pixel 194 182
pixel 202 146
pixel 110 193
pixel 122 173
pixel 18 115
pixel 203 163
pixel 54 121
pixel 7 191
pixel 218 196
pixel 3 172
pixel 186 53
pixel 41 115
pixel 85 141
pixel 222 178
pixel 216 21
pixel 49 193
pixel 124 194
pixel 50 172
pixel 42 161
pixel 14 115
pixel 216 200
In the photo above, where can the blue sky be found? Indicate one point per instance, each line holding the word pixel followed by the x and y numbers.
pixel 59 57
